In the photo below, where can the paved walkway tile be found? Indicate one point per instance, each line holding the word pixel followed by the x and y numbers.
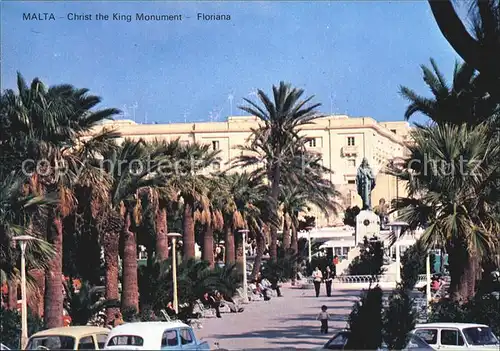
pixel 287 322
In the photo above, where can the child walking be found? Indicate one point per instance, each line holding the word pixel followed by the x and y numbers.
pixel 323 316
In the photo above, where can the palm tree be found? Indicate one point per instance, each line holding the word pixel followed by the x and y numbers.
pixel 479 49
pixel 166 194
pixel 212 218
pixel 275 139
pixel 188 179
pixel 17 208
pixel 463 102
pixel 257 214
pixel 122 209
pixel 237 198
pixel 250 199
pixel 295 200
pixel 51 121
pixel 448 174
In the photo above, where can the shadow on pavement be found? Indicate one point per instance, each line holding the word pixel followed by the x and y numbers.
pixel 297 334
pixel 333 318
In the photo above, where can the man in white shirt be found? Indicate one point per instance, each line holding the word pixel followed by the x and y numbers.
pixel 317 279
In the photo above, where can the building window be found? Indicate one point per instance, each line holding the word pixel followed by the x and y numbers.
pixel 311 142
pixel 393 130
pixel 351 181
pixel 215 145
pixel 351 162
pixel 350 141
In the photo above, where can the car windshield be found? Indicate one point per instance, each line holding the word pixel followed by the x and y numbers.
pixel 337 342
pixel 416 342
pixel 51 342
pixel 480 336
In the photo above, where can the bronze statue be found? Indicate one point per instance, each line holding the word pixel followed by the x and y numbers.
pixel 365 182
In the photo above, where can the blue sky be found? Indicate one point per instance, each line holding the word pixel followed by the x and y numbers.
pixel 351 55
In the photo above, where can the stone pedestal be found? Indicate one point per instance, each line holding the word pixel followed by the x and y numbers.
pixel 367 224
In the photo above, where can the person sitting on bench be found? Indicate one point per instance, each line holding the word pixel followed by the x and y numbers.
pixel 210 302
pixel 227 301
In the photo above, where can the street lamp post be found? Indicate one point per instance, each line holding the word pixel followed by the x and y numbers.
pixel 245 282
pixel 174 237
pixel 428 278
pixel 398 229
pixel 23 240
pixel 309 243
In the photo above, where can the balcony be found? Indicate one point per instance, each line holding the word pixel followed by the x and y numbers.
pixel 350 150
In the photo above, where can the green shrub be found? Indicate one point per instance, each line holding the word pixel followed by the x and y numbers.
pixel 413 263
pixel 130 314
pixel 280 270
pixel 399 319
pixel 365 321
pixel 85 304
pixel 370 260
pixel 194 278
pixel 10 327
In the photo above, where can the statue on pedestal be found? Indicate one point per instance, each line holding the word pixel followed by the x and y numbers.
pixel 365 182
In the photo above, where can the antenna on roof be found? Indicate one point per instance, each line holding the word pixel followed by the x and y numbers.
pixel 230 97
pixel 134 107
pixel 217 114
pixel 332 97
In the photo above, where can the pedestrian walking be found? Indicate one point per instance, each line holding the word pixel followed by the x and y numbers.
pixel 317 279
pixel 323 316
pixel 328 278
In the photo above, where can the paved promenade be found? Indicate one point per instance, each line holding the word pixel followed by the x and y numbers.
pixel 283 322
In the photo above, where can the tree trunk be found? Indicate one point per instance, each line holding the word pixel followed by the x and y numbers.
pixel 188 239
pixel 54 296
pixel 239 246
pixel 35 298
pixel 111 245
pixel 239 249
pixel 230 253
pixel 286 233
pixel 208 245
pixel 130 288
pixel 462 268
pixel 471 276
pixel 295 248
pixel 259 252
pixel 454 31
pixel 275 190
pixel 161 235
pixel 294 245
pixel 12 284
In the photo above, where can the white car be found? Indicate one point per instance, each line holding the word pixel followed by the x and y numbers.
pixel 154 336
pixel 458 336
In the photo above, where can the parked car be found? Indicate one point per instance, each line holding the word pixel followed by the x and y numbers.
pixel 69 338
pixel 154 336
pixel 340 341
pixel 458 336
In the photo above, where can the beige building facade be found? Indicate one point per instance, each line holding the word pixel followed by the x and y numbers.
pixel 341 141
